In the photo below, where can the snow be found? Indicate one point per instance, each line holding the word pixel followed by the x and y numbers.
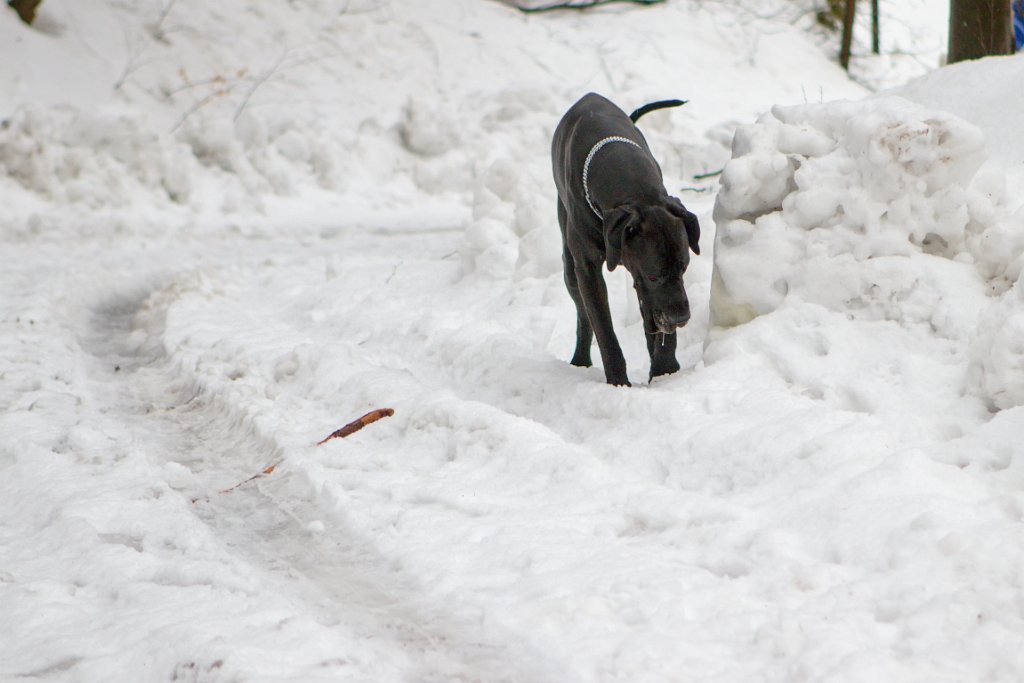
pixel 229 232
pixel 971 91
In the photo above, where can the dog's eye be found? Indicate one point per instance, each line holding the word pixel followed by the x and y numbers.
pixel 652 278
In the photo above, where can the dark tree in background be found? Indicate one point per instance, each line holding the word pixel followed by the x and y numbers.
pixel 979 28
pixel 849 11
pixel 848 8
pixel 26 9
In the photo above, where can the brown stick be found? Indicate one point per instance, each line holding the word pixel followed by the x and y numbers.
pixel 267 470
pixel 350 428
pixel 356 425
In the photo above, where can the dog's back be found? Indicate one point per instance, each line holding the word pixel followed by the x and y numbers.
pixel 592 118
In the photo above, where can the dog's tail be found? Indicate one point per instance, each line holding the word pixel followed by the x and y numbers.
pixel 663 104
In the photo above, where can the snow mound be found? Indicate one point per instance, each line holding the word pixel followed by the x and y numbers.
pixel 94 158
pixel 997 354
pixel 980 92
pixel 112 159
pixel 877 211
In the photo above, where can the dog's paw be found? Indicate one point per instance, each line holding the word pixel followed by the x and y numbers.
pixel 617 379
pixel 663 368
pixel 581 362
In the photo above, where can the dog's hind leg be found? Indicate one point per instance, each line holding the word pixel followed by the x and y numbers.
pixel 584 332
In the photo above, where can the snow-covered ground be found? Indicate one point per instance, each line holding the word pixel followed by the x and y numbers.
pixel 227 229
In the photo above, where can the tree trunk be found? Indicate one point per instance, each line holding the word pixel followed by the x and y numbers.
pixel 979 28
pixel 876 46
pixel 26 9
pixel 844 51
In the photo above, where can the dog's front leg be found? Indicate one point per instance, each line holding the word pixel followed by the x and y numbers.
pixel 663 354
pixel 595 300
pixel 660 346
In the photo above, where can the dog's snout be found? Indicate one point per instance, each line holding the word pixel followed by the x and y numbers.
pixel 667 323
pixel 678 319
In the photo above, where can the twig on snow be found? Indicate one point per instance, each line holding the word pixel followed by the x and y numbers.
pixel 347 430
pixel 269 469
pixel 199 104
pixel 356 425
pixel 289 59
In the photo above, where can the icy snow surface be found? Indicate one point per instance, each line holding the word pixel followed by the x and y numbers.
pixel 229 230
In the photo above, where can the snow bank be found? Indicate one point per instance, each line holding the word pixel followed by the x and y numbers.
pixel 876 211
pixel 818 199
pixel 981 91
pixel 94 158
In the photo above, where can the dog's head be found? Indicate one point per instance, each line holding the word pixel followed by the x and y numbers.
pixel 653 242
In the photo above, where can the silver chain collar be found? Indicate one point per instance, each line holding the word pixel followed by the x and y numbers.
pixel 590 157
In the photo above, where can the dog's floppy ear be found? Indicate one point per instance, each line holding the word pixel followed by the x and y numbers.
pixel 676 208
pixel 617 223
pixel 692 232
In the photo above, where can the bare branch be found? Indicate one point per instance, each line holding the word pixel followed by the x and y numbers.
pixel 159 32
pixel 569 5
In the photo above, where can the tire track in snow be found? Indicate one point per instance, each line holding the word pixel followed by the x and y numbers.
pixel 548 478
pixel 338 578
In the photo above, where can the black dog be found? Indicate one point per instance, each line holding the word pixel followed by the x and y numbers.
pixel 613 208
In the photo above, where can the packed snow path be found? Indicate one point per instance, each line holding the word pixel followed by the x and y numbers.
pixel 517 519
pixel 336 582
pixel 298 602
